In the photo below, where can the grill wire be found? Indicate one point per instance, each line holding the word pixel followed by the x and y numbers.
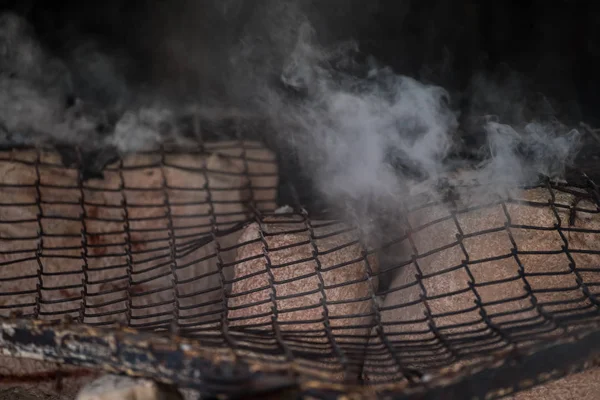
pixel 144 282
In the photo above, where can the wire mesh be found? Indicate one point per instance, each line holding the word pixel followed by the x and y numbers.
pixel 501 276
pixel 186 245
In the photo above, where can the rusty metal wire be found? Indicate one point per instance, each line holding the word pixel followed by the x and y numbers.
pixel 174 266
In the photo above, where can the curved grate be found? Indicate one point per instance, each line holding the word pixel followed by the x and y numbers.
pixel 175 265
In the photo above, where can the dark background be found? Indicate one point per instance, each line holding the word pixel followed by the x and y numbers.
pixel 555 44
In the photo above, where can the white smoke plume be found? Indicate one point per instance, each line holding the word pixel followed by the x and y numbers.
pixel 370 139
pixel 366 136
pixel 38 103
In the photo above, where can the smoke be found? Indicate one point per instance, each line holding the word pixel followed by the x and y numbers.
pixel 355 133
pixel 370 137
pixel 83 99
pixel 519 157
pixel 99 77
pixel 366 136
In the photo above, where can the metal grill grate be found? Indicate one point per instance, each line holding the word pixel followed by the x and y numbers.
pixel 236 298
pixel 147 226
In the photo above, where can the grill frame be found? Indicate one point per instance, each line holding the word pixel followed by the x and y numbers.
pixel 181 362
